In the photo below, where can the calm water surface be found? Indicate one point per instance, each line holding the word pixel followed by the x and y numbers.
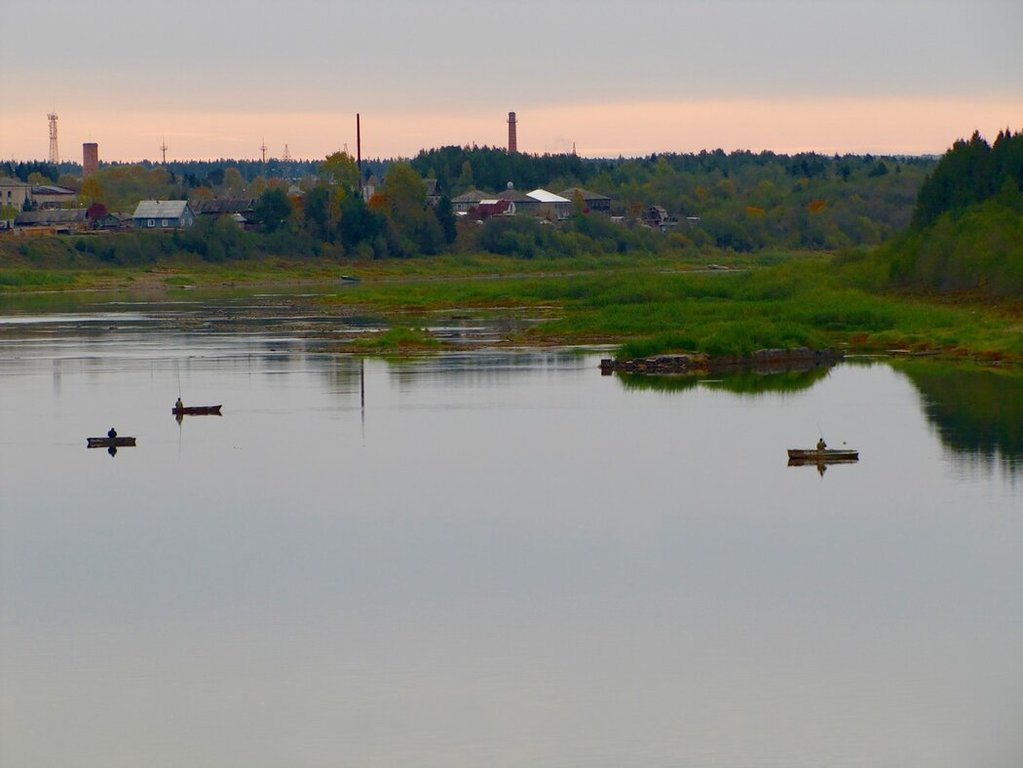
pixel 495 558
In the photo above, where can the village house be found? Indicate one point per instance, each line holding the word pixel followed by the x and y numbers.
pixel 493 207
pixel 163 214
pixel 658 218
pixel 223 206
pixel 239 210
pixel 524 204
pixel 51 196
pixel 551 206
pixel 592 201
pixel 433 194
pixel 52 220
pixel 15 193
pixel 468 200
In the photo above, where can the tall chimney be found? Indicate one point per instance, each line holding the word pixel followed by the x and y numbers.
pixel 90 158
pixel 513 142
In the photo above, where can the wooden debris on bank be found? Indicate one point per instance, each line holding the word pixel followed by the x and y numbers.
pixel 763 360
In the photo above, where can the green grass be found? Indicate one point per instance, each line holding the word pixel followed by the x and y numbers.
pixel 398 339
pixel 793 304
pixel 35 279
pixel 646 304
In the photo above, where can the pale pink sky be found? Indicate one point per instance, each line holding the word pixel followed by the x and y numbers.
pixel 877 126
pixel 214 79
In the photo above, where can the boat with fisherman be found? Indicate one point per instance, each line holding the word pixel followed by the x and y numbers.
pixel 823 454
pixel 197 410
pixel 112 440
pixel 180 409
pixel 820 455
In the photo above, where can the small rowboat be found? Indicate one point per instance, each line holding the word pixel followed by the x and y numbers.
pixel 197 410
pixel 825 454
pixel 109 442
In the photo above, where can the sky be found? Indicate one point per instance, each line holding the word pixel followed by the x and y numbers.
pixel 222 78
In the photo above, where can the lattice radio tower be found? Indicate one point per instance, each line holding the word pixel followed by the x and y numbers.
pixel 54 152
pixel 163 149
pixel 286 163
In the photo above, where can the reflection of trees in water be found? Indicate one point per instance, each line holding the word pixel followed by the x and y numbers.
pixel 746 382
pixel 481 367
pixel 976 411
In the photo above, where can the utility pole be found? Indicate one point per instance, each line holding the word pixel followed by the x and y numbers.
pixel 358 150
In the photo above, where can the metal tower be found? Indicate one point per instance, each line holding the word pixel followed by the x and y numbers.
pixel 285 164
pixel 163 149
pixel 54 152
pixel 262 148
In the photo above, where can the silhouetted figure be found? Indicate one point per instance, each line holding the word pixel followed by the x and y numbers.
pixel 112 433
pixel 821 445
pixel 178 405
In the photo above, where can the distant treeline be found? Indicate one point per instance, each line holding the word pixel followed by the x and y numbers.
pixel 192 174
pixel 970 173
pixel 967 225
pixel 740 201
pixel 744 201
pixel 458 169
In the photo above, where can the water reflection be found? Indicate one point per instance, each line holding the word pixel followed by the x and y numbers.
pixel 977 412
pixel 517 562
pixel 747 382
pixel 821 464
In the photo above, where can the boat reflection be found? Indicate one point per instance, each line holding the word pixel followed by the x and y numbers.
pixel 822 463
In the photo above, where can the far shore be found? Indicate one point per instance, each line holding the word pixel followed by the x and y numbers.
pixel 720 306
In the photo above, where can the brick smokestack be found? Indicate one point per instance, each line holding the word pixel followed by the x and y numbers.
pixel 90 158
pixel 513 141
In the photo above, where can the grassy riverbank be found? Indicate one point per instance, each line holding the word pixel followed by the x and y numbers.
pixel 646 304
pixel 805 301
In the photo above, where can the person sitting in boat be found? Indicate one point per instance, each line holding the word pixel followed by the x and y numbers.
pixel 178 405
pixel 112 433
pixel 821 445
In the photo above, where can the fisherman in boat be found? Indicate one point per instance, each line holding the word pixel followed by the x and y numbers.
pixel 179 405
pixel 112 433
pixel 821 445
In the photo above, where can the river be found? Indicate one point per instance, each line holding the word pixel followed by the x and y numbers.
pixel 494 557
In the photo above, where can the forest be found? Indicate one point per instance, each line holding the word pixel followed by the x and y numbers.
pixel 966 232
